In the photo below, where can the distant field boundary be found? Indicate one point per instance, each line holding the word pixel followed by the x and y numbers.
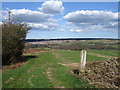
pixel 35 40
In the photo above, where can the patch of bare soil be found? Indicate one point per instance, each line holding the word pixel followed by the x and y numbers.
pixel 32 50
pixel 103 74
pixel 14 66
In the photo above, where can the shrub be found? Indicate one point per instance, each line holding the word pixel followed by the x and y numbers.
pixel 13 36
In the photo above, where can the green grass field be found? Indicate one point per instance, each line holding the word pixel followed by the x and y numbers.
pixel 74 56
pixel 46 72
pixel 34 74
pixel 106 52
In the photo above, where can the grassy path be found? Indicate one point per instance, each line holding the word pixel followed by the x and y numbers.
pixel 27 76
pixel 42 72
pixel 51 70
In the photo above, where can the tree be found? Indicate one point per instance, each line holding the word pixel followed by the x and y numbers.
pixel 13 41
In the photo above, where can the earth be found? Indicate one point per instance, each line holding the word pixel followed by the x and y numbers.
pixel 102 74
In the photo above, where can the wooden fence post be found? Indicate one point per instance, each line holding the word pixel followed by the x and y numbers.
pixel 82 60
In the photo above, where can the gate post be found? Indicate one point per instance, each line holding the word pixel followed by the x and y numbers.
pixel 82 60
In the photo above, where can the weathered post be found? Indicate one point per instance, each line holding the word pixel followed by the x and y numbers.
pixel 9 13
pixel 82 60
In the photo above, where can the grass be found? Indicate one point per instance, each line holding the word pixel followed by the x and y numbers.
pixel 74 56
pixel 61 74
pixel 0 80
pixel 43 72
pixel 23 76
pixel 106 52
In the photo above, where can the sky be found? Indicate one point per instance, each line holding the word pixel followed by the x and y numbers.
pixel 61 0
pixel 56 19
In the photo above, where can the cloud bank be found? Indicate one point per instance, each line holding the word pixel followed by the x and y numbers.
pixel 26 15
pixel 93 20
pixel 40 20
pixel 78 21
pixel 36 19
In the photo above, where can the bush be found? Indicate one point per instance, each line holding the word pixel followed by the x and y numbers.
pixel 13 36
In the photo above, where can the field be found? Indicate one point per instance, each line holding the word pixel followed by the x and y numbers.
pixel 49 67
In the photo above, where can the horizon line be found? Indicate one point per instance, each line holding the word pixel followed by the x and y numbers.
pixel 76 38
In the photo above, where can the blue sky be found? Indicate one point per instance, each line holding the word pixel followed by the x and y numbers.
pixel 61 0
pixel 68 19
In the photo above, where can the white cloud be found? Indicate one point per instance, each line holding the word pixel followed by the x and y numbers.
pixel 52 7
pixel 91 16
pixel 43 26
pixel 51 25
pixel 52 20
pixel 72 30
pixel 35 19
pixel 26 15
pixel 38 26
pixel 93 20
pixel 69 23
pixel 62 29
